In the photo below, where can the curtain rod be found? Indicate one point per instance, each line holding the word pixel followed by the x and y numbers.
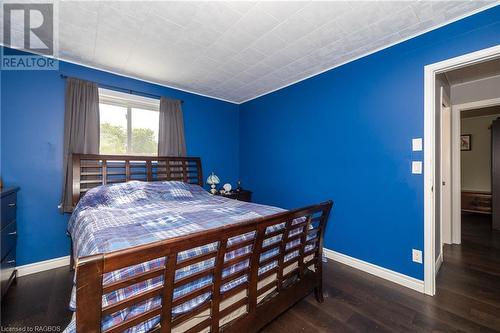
pixel 130 91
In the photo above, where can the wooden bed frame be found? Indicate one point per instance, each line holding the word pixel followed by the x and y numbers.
pixel 93 170
pixel 254 303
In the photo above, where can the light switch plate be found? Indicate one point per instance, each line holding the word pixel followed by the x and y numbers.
pixel 416 144
pixel 416 167
pixel 416 256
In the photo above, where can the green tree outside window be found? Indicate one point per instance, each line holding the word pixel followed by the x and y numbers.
pixel 114 140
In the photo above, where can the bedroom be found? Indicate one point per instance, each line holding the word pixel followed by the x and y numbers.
pixel 297 103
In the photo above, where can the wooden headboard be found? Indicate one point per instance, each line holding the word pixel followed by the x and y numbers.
pixel 93 170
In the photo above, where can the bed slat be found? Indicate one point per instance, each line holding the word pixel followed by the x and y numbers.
pixel 233 307
pixel 197 328
pixel 168 284
pixel 233 291
pixel 197 259
pixel 192 277
pixel 132 300
pixel 216 288
pixel 231 262
pixel 189 315
pixel 195 293
pixel 134 321
pixel 133 280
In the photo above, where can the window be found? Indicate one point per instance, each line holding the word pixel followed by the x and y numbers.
pixel 129 123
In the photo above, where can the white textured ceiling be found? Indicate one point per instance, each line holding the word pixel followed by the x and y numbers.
pixel 238 50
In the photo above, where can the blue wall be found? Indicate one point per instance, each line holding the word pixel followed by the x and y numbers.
pixel 32 117
pixel 343 135
pixel 346 135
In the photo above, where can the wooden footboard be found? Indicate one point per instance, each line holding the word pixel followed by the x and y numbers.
pixel 245 308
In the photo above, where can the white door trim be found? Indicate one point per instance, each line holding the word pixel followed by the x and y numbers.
pixel 477 104
pixel 446 211
pixel 456 179
pixel 430 72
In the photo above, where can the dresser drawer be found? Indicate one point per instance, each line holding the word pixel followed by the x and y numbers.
pixel 9 203
pixel 7 270
pixel 9 237
pixel 476 202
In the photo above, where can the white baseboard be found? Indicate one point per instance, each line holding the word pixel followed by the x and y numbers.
pixel 384 273
pixel 42 266
pixel 439 261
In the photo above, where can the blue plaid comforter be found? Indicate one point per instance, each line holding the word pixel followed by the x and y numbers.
pixel 119 216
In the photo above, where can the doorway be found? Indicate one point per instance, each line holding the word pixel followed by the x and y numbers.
pixel 442 177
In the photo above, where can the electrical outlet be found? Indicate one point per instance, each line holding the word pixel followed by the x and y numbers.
pixel 416 256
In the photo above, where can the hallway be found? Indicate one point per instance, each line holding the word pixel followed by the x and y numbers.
pixel 471 271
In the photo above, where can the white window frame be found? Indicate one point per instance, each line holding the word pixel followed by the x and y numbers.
pixel 129 101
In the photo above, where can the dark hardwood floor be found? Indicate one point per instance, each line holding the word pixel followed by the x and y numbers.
pixel 38 300
pixel 467 300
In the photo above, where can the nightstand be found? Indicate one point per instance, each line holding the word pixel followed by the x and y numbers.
pixel 243 195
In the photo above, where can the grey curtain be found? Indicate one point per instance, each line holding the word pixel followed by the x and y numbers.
pixel 171 131
pixel 81 129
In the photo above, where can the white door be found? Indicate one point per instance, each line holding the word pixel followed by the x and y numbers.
pixel 446 212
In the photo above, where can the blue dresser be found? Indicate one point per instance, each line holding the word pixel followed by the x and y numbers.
pixel 9 237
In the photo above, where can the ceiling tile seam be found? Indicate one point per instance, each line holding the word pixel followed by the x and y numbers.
pixel 283 22
pixel 148 12
pixel 321 26
pixel 371 25
pixel 260 38
pixel 129 55
pixel 203 53
pixel 204 48
pixel 288 44
pixel 312 51
pixel 197 58
pixel 96 34
pixel 412 8
pixel 491 5
pixel 293 13
pixel 231 9
pixel 219 37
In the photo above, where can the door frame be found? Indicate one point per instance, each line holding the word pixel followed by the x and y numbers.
pixel 430 72
pixel 445 104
